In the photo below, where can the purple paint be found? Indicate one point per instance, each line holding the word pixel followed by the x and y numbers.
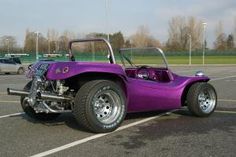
pixel 163 92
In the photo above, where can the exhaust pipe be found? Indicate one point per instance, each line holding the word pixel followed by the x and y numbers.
pixel 44 96
pixel 17 92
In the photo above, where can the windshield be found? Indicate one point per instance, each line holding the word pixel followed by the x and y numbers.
pixel 136 57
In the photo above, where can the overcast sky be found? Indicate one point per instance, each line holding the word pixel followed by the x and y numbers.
pixel 83 16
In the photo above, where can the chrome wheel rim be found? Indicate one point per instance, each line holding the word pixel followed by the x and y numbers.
pixel 207 101
pixel 107 106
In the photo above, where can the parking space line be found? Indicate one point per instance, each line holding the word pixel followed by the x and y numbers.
pixel 9 101
pixel 87 139
pixel 12 115
pixel 227 100
pixel 222 78
pixel 231 112
pixel 3 93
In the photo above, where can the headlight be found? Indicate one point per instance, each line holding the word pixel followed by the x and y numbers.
pixel 199 73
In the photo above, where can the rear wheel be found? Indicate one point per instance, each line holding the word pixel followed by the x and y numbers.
pixel 29 111
pixel 202 99
pixel 100 106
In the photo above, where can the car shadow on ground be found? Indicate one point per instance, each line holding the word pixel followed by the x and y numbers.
pixel 65 119
pixel 178 126
pixel 183 116
pixel 68 119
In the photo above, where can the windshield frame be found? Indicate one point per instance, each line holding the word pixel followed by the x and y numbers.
pixel 110 55
pixel 158 50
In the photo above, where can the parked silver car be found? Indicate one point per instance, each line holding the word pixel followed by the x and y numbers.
pixel 11 65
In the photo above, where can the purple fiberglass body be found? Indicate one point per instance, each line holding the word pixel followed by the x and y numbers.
pixel 101 93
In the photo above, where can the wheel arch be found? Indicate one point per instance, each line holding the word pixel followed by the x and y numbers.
pixel 20 68
pixel 82 78
pixel 186 89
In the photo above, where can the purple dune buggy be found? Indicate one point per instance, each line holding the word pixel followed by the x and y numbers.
pixel 100 94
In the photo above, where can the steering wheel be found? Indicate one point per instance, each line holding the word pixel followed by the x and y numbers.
pixel 142 72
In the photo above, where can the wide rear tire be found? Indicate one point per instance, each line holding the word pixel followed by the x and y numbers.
pixel 29 111
pixel 100 106
pixel 201 99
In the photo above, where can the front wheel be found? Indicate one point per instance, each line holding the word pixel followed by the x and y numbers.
pixel 202 99
pixel 100 106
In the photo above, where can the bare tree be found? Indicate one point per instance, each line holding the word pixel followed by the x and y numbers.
pixel 176 26
pixel 53 44
pixel 230 42
pixel 64 39
pixel 220 42
pixel 117 41
pixel 8 43
pixel 139 39
pixel 30 42
pixel 196 32
pixel 142 38
pixel 180 28
pixel 127 44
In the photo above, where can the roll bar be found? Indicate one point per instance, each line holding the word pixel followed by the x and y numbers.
pixel 110 51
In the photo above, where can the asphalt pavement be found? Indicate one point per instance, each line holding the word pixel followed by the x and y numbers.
pixel 176 133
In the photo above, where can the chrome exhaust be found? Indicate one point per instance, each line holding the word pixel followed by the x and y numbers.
pixel 17 92
pixel 44 96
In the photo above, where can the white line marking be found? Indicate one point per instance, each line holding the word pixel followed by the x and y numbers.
pixel 9 101
pixel 230 80
pixel 231 112
pixel 81 141
pixel 3 93
pixel 11 115
pixel 226 100
pixel 222 78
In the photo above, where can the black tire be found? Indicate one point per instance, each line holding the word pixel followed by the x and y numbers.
pixel 20 71
pixel 201 99
pixel 86 113
pixel 29 111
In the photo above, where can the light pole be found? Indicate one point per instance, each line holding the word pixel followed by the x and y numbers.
pixel 37 45
pixel 107 16
pixel 204 42
pixel 190 49
pixel 49 51
pixel 56 46
pixel 8 47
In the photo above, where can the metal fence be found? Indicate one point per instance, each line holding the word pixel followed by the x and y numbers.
pixel 211 57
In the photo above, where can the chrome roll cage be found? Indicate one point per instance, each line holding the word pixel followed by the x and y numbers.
pixel 111 56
